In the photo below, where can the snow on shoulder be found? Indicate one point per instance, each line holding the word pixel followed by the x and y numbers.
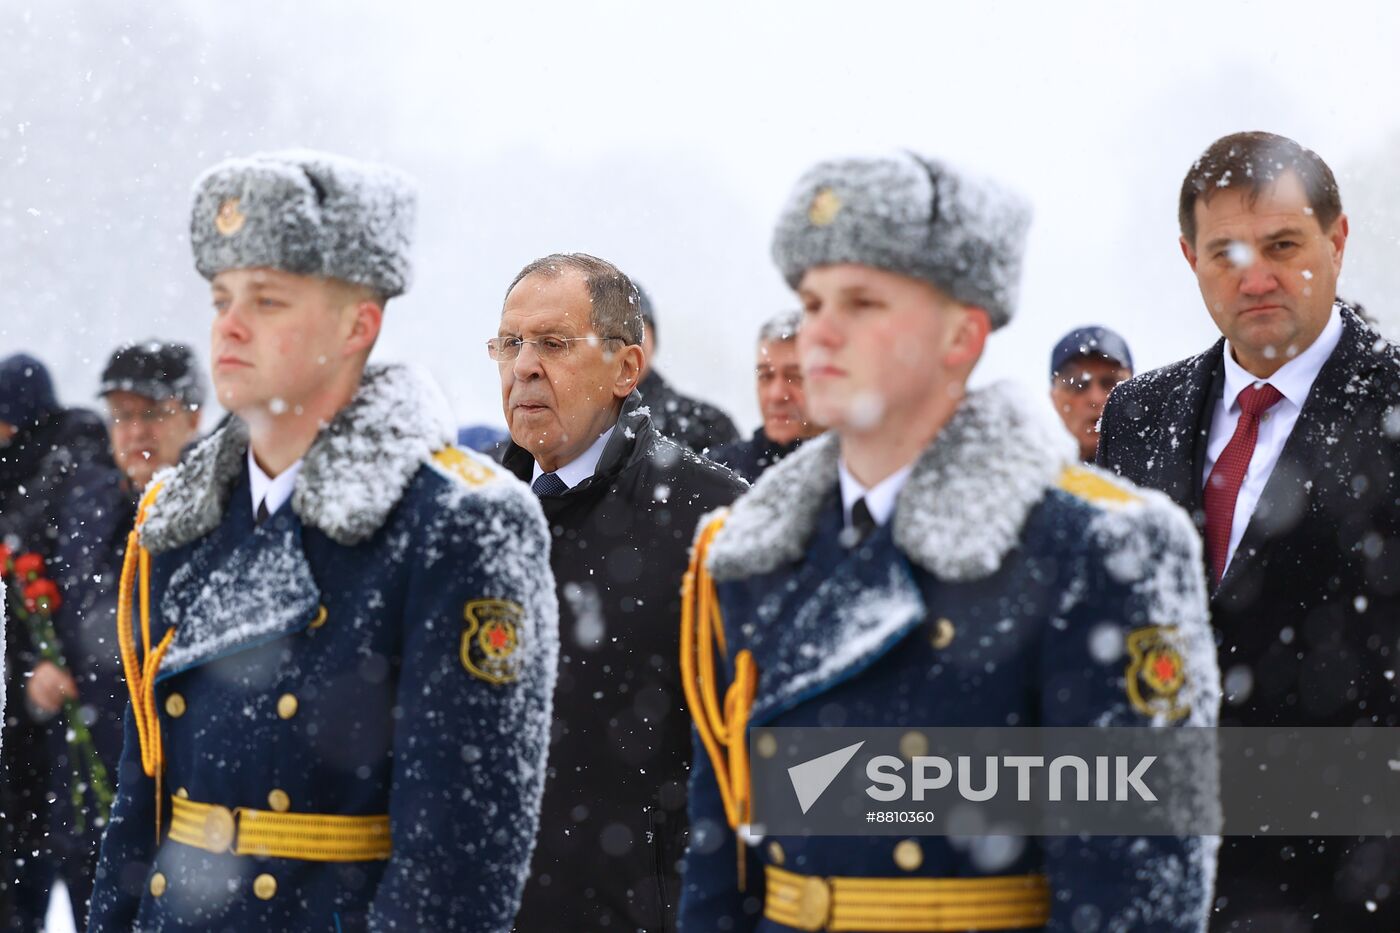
pixel 958 516
pixel 352 476
pixel 1149 545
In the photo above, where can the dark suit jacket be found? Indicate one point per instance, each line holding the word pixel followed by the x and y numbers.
pixel 1307 616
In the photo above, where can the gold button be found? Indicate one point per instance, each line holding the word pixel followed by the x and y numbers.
pixel 264 886
pixel 286 706
pixel 320 619
pixel 157 884
pixel 908 855
pixel 913 745
pixel 182 793
pixel 814 904
pixel 218 829
pixel 776 855
pixel 767 745
pixel 175 705
pixel 943 632
pixel 279 801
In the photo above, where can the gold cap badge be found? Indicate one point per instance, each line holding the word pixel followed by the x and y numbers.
pixel 230 219
pixel 825 206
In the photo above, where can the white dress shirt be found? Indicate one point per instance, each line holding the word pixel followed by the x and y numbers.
pixel 274 490
pixel 582 466
pixel 1293 380
pixel 880 499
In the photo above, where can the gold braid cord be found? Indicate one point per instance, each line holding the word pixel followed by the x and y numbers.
pixel 722 727
pixel 141 672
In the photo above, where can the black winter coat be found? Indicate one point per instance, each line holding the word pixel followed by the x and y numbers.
pixel 696 425
pixel 93 521
pixel 36 470
pixel 749 458
pixel 612 822
pixel 1307 616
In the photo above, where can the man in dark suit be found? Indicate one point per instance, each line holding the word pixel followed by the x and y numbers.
pixel 1281 439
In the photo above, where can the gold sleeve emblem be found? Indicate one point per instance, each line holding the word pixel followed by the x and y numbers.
pixel 491 641
pixel 1156 672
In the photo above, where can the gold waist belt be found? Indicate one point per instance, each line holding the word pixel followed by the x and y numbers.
pixel 906 905
pixel 313 837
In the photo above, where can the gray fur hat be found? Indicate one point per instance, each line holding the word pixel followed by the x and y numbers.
pixel 308 213
pixel 911 215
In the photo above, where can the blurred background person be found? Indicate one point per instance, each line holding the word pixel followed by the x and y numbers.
pixel 154 396
pixel 42 446
pixel 688 421
pixel 1085 366
pixel 781 401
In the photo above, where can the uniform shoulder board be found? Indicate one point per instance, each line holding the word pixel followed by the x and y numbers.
pixel 1097 486
pixel 464 467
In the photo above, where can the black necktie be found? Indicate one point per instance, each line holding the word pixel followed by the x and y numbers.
pixel 549 485
pixel 262 512
pixel 862 522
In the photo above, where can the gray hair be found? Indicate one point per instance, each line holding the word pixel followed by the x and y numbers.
pixel 780 327
pixel 617 310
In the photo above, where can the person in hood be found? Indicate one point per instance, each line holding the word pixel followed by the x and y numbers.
pixel 938 559
pixel 781 400
pixel 620 500
pixel 338 630
pixel 690 422
pixel 43 447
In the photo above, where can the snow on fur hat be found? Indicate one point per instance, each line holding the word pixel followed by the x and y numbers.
pixel 308 213
pixel 910 215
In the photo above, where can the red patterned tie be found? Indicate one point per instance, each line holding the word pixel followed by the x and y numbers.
pixel 1223 487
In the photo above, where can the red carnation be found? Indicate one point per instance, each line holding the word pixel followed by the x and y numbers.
pixel 29 566
pixel 4 558
pixel 42 596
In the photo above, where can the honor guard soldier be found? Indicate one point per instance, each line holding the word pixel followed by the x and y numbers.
pixel 339 631
pixel 939 559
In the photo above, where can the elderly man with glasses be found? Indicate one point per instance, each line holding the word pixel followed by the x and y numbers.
pixel 622 502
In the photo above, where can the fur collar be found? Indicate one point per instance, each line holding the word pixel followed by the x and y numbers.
pixel 351 478
pixel 959 514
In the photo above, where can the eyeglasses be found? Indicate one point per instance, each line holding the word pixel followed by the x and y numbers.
pixel 549 347
pixel 1080 383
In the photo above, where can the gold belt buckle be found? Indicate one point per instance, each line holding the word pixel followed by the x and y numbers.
pixel 814 903
pixel 220 827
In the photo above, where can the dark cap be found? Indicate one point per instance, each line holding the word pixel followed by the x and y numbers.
pixel 155 369
pixel 1090 341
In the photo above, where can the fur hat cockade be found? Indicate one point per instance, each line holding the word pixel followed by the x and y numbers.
pixel 910 215
pixel 308 213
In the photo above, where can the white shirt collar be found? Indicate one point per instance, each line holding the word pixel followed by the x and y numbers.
pixel 274 490
pixel 1294 379
pixel 582 466
pixel 880 499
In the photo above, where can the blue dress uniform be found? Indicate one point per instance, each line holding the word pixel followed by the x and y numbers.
pixel 340 716
pixel 1011 588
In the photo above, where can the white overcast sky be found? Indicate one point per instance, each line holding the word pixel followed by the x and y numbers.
pixel 664 136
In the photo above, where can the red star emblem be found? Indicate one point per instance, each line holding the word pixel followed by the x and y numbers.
pixel 1165 668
